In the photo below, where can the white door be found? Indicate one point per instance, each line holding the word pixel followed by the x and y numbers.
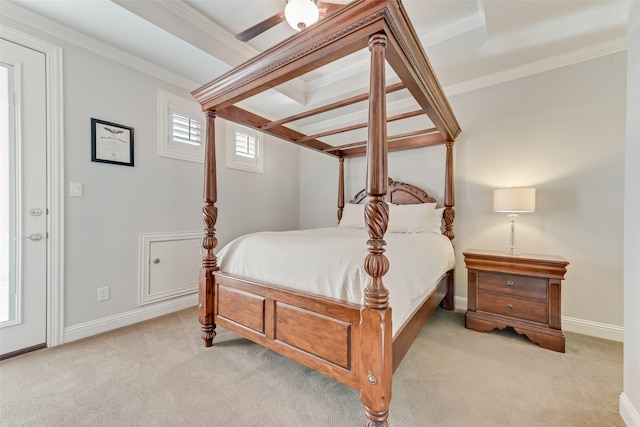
pixel 23 209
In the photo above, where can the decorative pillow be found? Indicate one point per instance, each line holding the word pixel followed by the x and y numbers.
pixel 437 220
pixel 352 216
pixel 416 218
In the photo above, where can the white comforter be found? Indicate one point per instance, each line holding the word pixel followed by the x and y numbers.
pixel 329 262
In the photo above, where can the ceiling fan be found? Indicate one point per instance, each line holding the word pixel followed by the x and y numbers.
pixel 299 14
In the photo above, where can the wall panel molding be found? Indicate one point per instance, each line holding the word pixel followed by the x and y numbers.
pixel 165 266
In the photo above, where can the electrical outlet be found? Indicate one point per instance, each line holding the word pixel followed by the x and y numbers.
pixel 103 293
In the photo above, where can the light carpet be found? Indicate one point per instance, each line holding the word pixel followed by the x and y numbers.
pixel 158 373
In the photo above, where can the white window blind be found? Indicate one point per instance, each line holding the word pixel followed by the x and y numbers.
pixel 244 148
pixel 245 144
pixel 180 128
pixel 186 130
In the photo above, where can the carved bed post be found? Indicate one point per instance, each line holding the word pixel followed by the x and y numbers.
pixel 449 199
pixel 209 241
pixel 340 188
pixel 449 215
pixel 375 316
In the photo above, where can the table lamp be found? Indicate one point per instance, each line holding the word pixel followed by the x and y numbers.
pixel 514 200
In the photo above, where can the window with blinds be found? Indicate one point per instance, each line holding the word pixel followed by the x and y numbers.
pixel 186 130
pixel 244 148
pixel 180 128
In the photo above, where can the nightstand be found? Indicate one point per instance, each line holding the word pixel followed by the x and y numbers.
pixel 520 291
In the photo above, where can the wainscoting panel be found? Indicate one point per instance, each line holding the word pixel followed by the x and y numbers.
pixel 169 265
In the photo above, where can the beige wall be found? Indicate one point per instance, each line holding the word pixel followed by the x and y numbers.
pixel 561 131
pixel 630 399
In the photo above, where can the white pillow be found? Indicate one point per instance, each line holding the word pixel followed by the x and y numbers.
pixel 352 216
pixel 437 220
pixel 416 218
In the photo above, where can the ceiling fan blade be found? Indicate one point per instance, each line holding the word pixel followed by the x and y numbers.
pixel 260 27
pixel 327 8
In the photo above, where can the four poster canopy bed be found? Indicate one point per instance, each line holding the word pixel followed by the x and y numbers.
pixel 345 331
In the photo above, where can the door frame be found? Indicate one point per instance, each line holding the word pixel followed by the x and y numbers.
pixel 55 177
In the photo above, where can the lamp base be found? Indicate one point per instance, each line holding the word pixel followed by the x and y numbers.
pixel 512 235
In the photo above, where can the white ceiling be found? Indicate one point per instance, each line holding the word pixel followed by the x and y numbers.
pixel 468 41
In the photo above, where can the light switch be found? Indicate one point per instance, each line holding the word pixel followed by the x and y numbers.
pixel 75 189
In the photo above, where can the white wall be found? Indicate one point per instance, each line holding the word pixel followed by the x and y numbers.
pixel 561 131
pixel 158 195
pixel 630 398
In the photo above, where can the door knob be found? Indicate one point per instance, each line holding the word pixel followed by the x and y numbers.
pixel 33 236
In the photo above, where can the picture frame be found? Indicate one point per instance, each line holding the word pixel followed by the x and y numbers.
pixel 111 143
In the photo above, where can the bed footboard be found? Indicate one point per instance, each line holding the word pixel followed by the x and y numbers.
pixel 318 332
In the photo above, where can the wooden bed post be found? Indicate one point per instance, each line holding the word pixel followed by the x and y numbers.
pixel 375 317
pixel 209 241
pixel 449 199
pixel 340 188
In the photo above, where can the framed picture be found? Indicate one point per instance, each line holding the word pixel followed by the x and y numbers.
pixel 111 143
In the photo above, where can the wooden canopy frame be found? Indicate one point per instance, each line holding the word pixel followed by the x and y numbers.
pixel 383 26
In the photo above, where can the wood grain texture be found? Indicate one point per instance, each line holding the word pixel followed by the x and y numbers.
pixel 206 299
pixel 336 36
pixel 351 343
pixel 522 292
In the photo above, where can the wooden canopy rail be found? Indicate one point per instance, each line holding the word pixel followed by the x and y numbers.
pixel 330 107
pixel 372 355
pixel 341 148
pixel 360 126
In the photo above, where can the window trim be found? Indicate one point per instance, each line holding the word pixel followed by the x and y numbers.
pixel 239 161
pixel 168 105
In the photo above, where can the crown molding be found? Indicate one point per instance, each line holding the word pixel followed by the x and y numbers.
pixel 219 33
pixel 62 32
pixel 299 90
pixel 541 66
pixel 536 67
pixel 295 89
pixel 455 29
pixel 361 66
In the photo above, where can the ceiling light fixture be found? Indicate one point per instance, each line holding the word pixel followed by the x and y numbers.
pixel 301 13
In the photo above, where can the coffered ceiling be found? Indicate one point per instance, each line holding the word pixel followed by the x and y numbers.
pixel 470 43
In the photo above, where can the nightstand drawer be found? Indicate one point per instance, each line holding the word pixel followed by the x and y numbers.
pixel 513 307
pixel 511 284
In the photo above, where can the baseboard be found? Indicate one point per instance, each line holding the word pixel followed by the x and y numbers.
pixel 94 327
pixel 594 329
pixel 629 414
pixel 460 303
pixel 571 324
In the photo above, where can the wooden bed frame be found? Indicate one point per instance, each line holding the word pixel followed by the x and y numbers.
pixel 351 343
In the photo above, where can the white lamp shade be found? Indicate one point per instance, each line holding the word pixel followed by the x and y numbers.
pixel 516 199
pixel 301 13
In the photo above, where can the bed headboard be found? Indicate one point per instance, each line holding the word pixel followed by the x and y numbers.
pixel 399 193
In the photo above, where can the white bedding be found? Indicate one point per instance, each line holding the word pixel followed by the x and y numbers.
pixel 329 262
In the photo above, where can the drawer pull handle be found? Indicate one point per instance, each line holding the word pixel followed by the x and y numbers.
pixel 509 282
pixel 509 307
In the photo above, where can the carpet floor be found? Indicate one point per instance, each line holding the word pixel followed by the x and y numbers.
pixel 158 373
